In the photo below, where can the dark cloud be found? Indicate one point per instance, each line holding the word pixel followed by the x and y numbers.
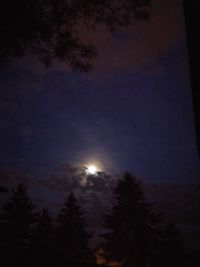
pixel 11 178
pixel 179 203
pixel 132 112
pixel 142 42
pixel 66 178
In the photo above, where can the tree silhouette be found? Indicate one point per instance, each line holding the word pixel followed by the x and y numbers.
pixel 20 216
pixel 171 250
pixel 42 244
pixel 51 29
pixel 131 228
pixel 72 236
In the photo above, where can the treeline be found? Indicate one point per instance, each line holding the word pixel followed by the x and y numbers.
pixel 135 234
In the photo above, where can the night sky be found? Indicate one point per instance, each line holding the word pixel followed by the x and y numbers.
pixel 132 112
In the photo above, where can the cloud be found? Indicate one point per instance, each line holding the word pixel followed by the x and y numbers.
pixel 10 178
pixel 92 191
pixel 180 203
pixel 7 104
pixel 140 43
pixel 155 70
pixel 125 49
pixel 67 178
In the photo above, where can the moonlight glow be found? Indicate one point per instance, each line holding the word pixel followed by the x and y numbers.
pixel 92 169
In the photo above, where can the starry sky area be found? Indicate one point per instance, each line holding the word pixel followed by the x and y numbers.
pixel 132 112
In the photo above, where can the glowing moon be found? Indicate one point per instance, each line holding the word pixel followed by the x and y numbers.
pixel 92 169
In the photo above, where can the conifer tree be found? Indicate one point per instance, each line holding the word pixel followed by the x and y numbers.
pixel 42 245
pixel 131 227
pixel 73 238
pixel 20 216
pixel 171 250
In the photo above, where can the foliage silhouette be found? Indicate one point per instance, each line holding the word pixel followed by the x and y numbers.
pixel 51 28
pixel 42 251
pixel 20 217
pixel 72 237
pixel 132 227
pixel 133 236
pixel 171 250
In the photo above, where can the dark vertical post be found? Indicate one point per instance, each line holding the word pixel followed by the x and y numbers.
pixel 192 19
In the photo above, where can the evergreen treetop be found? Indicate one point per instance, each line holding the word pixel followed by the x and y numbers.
pixel 20 213
pixel 131 227
pixel 73 237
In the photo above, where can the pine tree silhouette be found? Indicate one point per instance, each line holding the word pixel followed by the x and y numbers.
pixel 131 228
pixel 171 250
pixel 42 244
pixel 20 216
pixel 72 236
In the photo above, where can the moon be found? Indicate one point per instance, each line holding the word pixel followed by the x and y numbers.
pixel 92 169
